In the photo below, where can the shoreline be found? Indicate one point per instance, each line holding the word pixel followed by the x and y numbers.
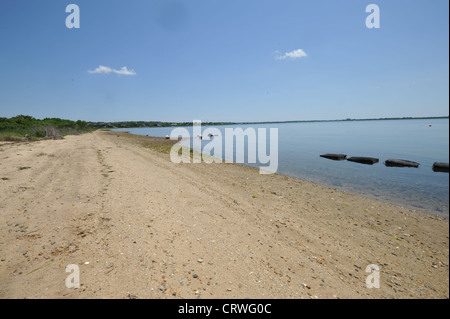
pixel 188 124
pixel 140 226
pixel 347 189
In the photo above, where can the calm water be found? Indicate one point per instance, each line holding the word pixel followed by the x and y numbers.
pixel 300 145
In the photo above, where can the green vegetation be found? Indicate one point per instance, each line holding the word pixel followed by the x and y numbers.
pixel 27 127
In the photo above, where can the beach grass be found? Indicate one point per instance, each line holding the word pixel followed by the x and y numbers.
pixel 18 135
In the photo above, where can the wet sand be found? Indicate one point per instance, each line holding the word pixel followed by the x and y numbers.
pixel 140 226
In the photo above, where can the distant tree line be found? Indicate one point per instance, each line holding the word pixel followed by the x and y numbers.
pixel 137 124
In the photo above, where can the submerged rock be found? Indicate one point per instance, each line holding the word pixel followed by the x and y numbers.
pixel 364 160
pixel 400 163
pixel 440 167
pixel 334 157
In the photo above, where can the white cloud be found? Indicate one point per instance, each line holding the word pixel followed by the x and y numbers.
pixel 107 70
pixel 101 70
pixel 296 54
pixel 125 71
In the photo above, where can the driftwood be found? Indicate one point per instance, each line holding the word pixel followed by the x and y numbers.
pixel 52 132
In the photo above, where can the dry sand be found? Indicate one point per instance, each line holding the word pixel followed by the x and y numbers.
pixel 139 226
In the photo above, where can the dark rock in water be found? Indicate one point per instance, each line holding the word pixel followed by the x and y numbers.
pixel 400 163
pixel 364 160
pixel 335 157
pixel 440 167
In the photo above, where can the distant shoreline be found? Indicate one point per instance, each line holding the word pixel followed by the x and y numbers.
pixel 150 124
pixel 352 120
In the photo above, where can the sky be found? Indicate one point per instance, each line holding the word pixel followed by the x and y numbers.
pixel 224 60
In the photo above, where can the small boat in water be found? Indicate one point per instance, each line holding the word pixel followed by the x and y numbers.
pixel 440 167
pixel 363 160
pixel 400 163
pixel 334 157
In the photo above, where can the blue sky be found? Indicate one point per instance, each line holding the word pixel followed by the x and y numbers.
pixel 219 60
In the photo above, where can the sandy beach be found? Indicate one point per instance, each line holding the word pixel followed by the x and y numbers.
pixel 140 226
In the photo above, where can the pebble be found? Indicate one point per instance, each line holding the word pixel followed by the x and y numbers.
pixel 195 275
pixel 306 286
pixel 161 288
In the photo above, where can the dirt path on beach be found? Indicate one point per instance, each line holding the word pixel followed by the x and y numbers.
pixel 140 226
